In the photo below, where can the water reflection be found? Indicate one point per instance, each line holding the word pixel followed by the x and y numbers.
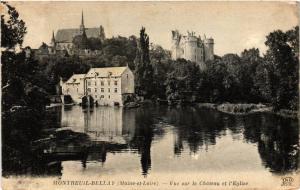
pixel 277 139
pixel 87 136
pixel 113 130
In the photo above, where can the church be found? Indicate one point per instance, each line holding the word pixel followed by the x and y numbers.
pixel 73 41
pixel 64 38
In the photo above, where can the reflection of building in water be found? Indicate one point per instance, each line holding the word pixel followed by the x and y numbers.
pixel 112 129
pixel 105 125
pixel 108 124
pixel 73 118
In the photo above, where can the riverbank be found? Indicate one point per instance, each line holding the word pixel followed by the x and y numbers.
pixel 242 109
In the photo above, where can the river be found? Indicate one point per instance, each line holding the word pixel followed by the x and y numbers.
pixel 159 139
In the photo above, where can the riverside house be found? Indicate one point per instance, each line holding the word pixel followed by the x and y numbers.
pixel 74 87
pixel 107 86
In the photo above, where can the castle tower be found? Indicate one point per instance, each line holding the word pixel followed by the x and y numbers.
pixel 208 49
pixel 190 47
pixel 175 49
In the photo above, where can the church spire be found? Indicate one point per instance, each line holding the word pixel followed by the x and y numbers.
pixel 82 20
pixel 82 28
pixel 53 39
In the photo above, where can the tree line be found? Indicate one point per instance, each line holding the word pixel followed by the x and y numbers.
pixel 246 78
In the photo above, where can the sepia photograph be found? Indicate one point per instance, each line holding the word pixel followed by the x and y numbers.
pixel 150 95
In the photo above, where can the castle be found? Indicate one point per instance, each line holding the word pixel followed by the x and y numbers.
pixel 192 48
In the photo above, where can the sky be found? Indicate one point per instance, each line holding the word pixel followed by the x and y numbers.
pixel 235 26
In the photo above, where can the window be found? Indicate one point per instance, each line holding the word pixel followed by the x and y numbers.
pixel 127 75
pixel 108 82
pixel 108 89
pixel 95 89
pixel 102 83
pixel 116 90
pixel 89 90
pixel 102 96
pixel 116 83
pixel 108 96
pixel 102 89
pixel 89 83
pixel 95 83
pixel 95 96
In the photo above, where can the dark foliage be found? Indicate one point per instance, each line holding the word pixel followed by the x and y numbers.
pixel 12 28
pixel 143 68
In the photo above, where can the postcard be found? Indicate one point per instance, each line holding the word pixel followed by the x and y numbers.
pixel 148 95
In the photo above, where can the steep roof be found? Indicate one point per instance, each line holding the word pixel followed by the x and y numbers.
pixel 67 35
pixel 75 78
pixel 106 71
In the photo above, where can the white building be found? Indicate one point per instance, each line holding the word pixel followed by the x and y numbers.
pixel 107 86
pixel 74 87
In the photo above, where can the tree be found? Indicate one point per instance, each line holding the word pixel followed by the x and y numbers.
pixel 293 41
pixel 13 28
pixel 183 80
pixel 172 87
pixel 158 54
pixel 250 60
pixel 282 60
pixel 262 82
pixel 120 46
pixel 23 96
pixel 20 78
pixel 232 82
pixel 94 43
pixel 212 87
pixel 119 61
pixel 143 68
